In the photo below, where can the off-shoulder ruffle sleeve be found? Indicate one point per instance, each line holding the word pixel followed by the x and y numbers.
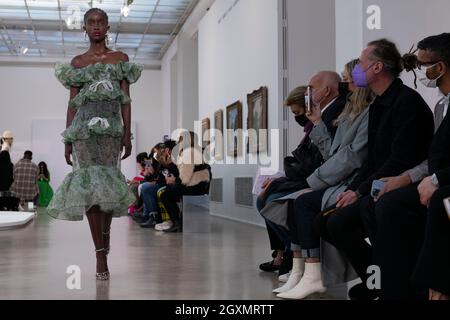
pixel 70 76
pixel 131 71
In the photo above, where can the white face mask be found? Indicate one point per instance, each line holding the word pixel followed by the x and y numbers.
pixel 427 82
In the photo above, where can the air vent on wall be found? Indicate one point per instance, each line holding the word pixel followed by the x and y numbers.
pixel 216 192
pixel 243 191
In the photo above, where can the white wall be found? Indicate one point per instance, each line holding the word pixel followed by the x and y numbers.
pixel 238 54
pixel 311 47
pixel 349 31
pixel 30 94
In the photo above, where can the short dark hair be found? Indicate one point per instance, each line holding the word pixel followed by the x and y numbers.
pixel 170 144
pixel 438 45
pixel 28 154
pixel 386 52
pixel 92 10
pixel 141 157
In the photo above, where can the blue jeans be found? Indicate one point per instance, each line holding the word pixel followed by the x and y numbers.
pixel 149 196
pixel 276 233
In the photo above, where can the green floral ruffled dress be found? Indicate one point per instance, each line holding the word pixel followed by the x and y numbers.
pixel 96 136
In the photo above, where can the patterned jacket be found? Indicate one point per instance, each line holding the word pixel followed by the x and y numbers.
pixel 25 180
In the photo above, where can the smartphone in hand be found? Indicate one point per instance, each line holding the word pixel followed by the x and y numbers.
pixel 447 206
pixel 308 100
pixel 377 186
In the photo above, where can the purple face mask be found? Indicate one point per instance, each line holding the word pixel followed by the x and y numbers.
pixel 359 76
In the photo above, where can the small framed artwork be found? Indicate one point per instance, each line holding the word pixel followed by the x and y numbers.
pixel 234 129
pixel 206 132
pixel 257 123
pixel 218 138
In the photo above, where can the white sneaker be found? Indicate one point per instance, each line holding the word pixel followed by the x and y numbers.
pixel 310 283
pixel 166 225
pixel 285 277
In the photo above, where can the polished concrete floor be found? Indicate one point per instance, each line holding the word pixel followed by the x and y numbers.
pixel 222 265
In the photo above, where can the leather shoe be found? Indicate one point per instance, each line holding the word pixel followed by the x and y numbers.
pixel 362 293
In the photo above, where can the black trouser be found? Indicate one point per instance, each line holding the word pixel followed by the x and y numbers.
pixel 175 192
pixel 401 220
pixel 347 232
pixel 433 266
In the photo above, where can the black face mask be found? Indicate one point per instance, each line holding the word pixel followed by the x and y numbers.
pixel 302 120
pixel 344 89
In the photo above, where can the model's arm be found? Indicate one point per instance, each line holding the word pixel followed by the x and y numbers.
pixel 70 115
pixel 126 116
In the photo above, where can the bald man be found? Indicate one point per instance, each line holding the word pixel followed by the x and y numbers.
pixel 325 92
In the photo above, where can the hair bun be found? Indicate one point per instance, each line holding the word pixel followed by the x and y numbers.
pixel 410 62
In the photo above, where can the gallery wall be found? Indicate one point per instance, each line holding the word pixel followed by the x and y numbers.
pixel 238 53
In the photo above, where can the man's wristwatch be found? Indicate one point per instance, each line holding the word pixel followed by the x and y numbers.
pixel 435 181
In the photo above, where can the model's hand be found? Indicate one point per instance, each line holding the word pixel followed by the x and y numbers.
pixel 68 153
pixel 426 190
pixel 126 144
pixel 394 183
pixel 347 198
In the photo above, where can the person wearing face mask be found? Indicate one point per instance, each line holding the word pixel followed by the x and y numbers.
pixel 306 158
pixel 302 162
pixel 344 155
pixel 400 132
pixel 401 209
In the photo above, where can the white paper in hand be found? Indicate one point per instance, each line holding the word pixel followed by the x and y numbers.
pixel 262 175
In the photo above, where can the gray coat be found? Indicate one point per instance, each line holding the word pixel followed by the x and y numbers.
pixel 344 155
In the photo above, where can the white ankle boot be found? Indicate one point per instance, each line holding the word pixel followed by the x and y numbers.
pixel 298 268
pixel 310 283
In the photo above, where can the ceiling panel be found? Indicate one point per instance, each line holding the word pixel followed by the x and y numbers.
pixel 53 28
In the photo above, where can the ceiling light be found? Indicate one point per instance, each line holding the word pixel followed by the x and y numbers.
pixel 125 11
pixel 23 50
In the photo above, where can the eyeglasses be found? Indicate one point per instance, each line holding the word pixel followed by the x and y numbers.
pixel 426 64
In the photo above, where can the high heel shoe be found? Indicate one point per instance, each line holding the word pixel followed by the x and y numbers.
pixel 102 276
pixel 107 249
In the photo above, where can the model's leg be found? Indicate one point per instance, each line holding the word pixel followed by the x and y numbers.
pixel 95 218
pixel 106 227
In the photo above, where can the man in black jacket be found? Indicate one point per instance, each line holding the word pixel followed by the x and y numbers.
pixel 402 212
pixel 400 131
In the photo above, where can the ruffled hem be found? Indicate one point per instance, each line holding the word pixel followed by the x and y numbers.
pixel 94 186
pixel 82 130
pixel 86 96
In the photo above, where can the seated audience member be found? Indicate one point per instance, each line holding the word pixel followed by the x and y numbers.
pixel 194 180
pixel 400 131
pixel 344 155
pixel 150 189
pixel 135 183
pixel 306 158
pixel 26 174
pixel 401 211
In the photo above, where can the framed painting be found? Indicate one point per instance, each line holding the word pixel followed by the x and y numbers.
pixel 234 129
pixel 257 122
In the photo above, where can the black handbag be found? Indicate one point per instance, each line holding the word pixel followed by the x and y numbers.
pixel 304 161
